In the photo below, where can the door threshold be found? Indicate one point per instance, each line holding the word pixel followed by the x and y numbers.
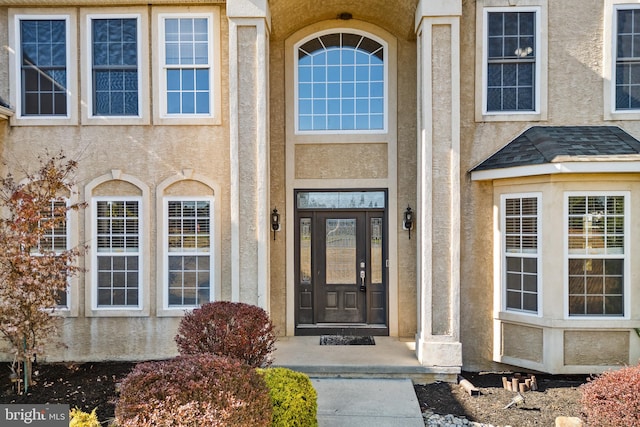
pixel 355 329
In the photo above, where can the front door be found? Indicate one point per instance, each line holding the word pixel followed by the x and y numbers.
pixel 341 267
pixel 341 274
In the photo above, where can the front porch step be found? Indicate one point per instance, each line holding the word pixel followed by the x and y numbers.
pixel 390 357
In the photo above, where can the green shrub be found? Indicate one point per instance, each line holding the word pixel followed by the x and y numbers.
pixel 83 419
pixel 613 398
pixel 194 390
pixel 237 330
pixel 293 398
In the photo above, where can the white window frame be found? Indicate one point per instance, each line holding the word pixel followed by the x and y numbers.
pixel 15 67
pixel 86 34
pixel 212 14
pixel 385 46
pixel 483 8
pixel 610 55
pixel 626 256
pixel 537 255
pixel 94 255
pixel 38 251
pixel 167 254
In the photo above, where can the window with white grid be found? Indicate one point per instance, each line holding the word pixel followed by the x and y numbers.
pixel 186 57
pixel 596 238
pixel 341 80
pixel 511 51
pixel 43 59
pixel 54 236
pixel 114 58
pixel 627 56
pixel 521 255
pixel 118 264
pixel 189 254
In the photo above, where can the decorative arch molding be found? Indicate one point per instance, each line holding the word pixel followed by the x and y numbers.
pixel 336 25
pixel 144 309
pixel 116 175
pixel 72 190
pixel 187 175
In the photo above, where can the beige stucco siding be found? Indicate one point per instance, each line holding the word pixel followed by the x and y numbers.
pixel 522 342
pixel 575 70
pixel 384 160
pixel 254 165
pixel 137 157
pixel 594 348
pixel 336 161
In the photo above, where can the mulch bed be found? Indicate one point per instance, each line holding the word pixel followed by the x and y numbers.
pixel 93 385
pixel 557 395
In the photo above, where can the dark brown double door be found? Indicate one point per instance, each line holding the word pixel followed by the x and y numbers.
pixel 341 274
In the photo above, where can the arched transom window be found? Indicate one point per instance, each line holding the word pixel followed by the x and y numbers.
pixel 340 83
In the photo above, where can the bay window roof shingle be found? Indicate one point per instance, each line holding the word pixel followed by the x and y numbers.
pixel 558 144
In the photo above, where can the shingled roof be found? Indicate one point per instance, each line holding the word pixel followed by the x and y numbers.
pixel 557 144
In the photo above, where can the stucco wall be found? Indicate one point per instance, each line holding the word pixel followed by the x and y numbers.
pixel 575 97
pixel 153 154
pixel 362 158
pixel 150 154
pixel 338 161
pixel 522 342
pixel 589 348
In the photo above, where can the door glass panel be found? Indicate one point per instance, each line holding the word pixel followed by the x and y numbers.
pixel 340 199
pixel 340 251
pixel 305 250
pixel 376 250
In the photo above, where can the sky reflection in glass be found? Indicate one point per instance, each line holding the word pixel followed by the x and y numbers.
pixel 341 83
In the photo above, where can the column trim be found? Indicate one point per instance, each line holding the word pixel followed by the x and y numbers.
pixel 437 350
pixel 250 14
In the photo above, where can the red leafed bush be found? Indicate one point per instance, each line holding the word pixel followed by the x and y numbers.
pixel 194 390
pixel 237 330
pixel 613 398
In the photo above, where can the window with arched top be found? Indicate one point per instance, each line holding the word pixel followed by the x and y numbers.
pixel 341 83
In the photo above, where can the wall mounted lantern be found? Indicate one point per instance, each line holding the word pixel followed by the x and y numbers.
pixel 407 222
pixel 275 222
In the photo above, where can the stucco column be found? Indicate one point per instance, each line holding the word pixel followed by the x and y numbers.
pixel 438 209
pixel 249 23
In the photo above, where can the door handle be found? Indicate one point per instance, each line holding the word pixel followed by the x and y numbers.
pixel 362 285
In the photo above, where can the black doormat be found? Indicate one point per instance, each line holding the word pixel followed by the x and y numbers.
pixel 346 340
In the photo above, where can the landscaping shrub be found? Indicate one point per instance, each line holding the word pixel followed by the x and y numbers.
pixel 237 330
pixel 293 398
pixel 613 398
pixel 194 390
pixel 79 418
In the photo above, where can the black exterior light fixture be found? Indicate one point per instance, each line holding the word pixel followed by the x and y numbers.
pixel 275 222
pixel 407 222
pixel 345 16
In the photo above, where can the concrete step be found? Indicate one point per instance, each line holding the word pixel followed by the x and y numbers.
pixel 390 357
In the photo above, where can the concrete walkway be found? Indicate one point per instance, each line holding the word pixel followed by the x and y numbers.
pixel 361 385
pixel 367 403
